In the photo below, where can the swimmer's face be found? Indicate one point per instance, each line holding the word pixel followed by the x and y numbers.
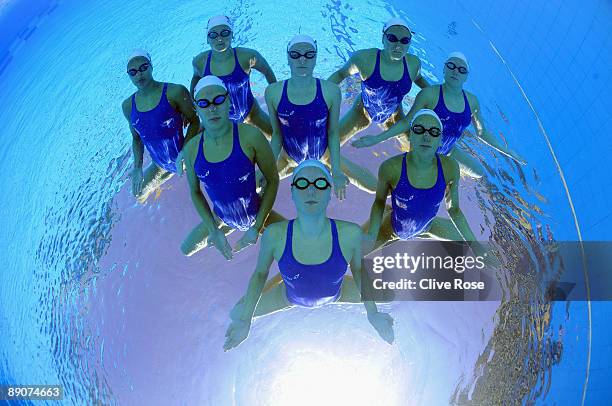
pixel 310 200
pixel 220 38
pixel 454 76
pixel 424 144
pixel 306 59
pixel 214 115
pixel 143 70
pixel 396 50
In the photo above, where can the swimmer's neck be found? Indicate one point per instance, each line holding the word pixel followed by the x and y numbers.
pixel 311 225
pixel 420 161
pixel 450 89
pixel 152 87
pixel 223 55
pixel 302 81
pixel 218 134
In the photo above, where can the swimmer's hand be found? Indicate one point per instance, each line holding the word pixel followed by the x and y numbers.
pixel 217 239
pixel 383 323
pixel 236 333
pixel 366 141
pixel 137 181
pixel 249 238
pixel 260 180
pixel 180 164
pixel 340 181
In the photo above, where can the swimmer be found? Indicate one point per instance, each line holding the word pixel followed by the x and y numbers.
pixel 233 66
pixel 387 77
pixel 304 112
pixel 155 114
pixel 418 181
pixel 223 158
pixel 456 108
pixel 313 252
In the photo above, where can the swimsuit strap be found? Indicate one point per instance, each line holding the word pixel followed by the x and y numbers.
pixel 441 97
pixel 377 65
pixel 207 66
pixel 440 171
pixel 405 68
pixel 404 173
pixel 319 89
pixel 289 241
pixel 134 109
pixel 284 95
pixel 335 240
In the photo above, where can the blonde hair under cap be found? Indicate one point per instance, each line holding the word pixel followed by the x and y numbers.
pixel 139 52
pixel 209 80
pixel 302 38
pixel 218 20
pixel 312 163
pixel 427 112
pixel 459 55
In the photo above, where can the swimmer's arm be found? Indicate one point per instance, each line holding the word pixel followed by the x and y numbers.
pixel 489 138
pixel 187 109
pixel 266 163
pixel 349 68
pixel 137 145
pixel 259 63
pixel 420 80
pixel 196 76
pixel 380 200
pixel 276 142
pixel 259 277
pixel 333 130
pixel 455 213
pixel 356 270
pixel 199 202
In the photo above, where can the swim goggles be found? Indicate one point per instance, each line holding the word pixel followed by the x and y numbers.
pixel 224 33
pixel 452 66
pixel 303 183
pixel 433 131
pixel 393 38
pixel 217 100
pixel 307 55
pixel 141 68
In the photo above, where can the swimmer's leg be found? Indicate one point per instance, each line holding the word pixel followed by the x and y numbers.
pixel 402 139
pixel 259 119
pixel 273 217
pixel 154 177
pixel 468 165
pixel 285 165
pixel 442 229
pixel 355 120
pixel 236 311
pixel 358 175
pixel 198 239
pixel 349 292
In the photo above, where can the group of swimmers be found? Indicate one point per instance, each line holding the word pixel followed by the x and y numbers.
pixel 239 154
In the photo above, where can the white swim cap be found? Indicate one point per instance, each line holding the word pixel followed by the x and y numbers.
pixel 218 20
pixel 458 55
pixel 209 80
pixel 396 21
pixel 427 112
pixel 302 38
pixel 312 163
pixel 139 52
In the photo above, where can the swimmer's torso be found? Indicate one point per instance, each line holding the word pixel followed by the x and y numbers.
pixel 415 198
pixel 456 116
pixel 160 127
pixel 228 175
pixel 303 119
pixel 234 72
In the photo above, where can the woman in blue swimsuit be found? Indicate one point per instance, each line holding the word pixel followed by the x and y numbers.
pixel 457 109
pixel 387 77
pixel 313 252
pixel 223 159
pixel 233 66
pixel 418 181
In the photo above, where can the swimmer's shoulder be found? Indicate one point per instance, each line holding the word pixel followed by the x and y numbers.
pixel 175 90
pixel 450 167
pixel 190 149
pixel 331 91
pixel 126 106
pixel 274 91
pixel 364 56
pixel 390 170
pixel 472 100
pixel 274 236
pixel 199 60
pixel 348 230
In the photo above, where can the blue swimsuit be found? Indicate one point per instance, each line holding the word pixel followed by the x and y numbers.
pixel 303 127
pixel 312 285
pixel 453 123
pixel 414 209
pixel 239 88
pixel 230 185
pixel 382 98
pixel 160 130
